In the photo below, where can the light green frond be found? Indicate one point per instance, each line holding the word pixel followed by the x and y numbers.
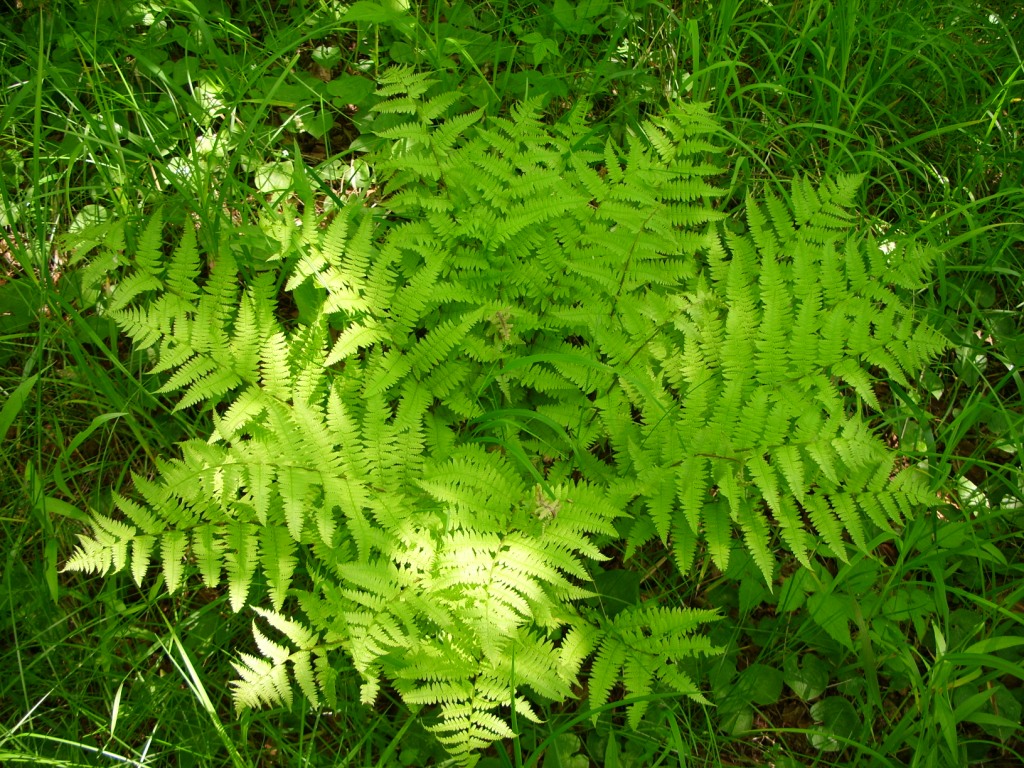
pixel 276 653
pixel 148 255
pixel 754 525
pixel 441 407
pixel 116 536
pixel 172 553
pixel 240 546
pixel 684 545
pixel 277 554
pixel 261 683
pixel 296 632
pixel 440 342
pixel 637 677
pixel 131 288
pixel 847 511
pixel 206 549
pixel 275 372
pixel 185 267
pixel 826 524
pixel 353 338
pixel 659 499
pixel 604 671
pixel 792 530
pixel 305 677
pixel 142 553
pixel 791 463
pixel 718 533
pixel 141 515
pixel 92 555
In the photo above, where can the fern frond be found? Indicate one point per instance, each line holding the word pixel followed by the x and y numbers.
pixel 275 372
pixel 277 552
pixel 185 267
pixel 641 646
pixel 261 683
pixel 241 547
pixel 172 552
pixel 535 343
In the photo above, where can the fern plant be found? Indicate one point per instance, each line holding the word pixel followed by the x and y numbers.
pixel 536 346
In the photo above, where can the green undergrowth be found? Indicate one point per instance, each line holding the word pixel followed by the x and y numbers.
pixel 234 119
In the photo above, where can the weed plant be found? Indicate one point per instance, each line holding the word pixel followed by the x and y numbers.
pixel 910 657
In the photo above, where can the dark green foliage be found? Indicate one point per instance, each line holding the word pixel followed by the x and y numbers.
pixel 533 341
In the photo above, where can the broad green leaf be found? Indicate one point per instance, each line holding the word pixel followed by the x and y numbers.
pixel 839 720
pixel 833 613
pixel 762 683
pixel 350 89
pixel 806 675
pixel 274 177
